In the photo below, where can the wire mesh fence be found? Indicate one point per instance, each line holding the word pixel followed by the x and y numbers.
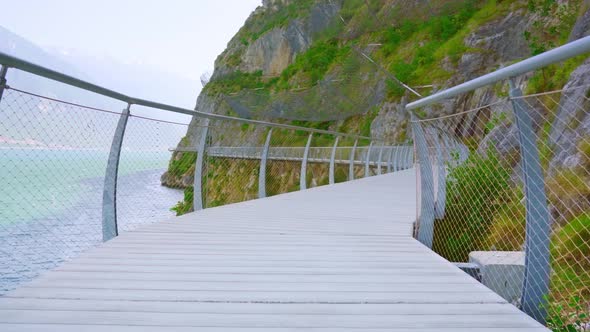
pixel 232 163
pixel 53 157
pixel 353 89
pixel 145 157
pixel 477 171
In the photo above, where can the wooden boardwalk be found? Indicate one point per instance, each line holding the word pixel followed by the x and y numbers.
pixel 334 258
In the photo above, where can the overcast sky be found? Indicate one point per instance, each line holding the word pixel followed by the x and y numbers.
pixel 181 37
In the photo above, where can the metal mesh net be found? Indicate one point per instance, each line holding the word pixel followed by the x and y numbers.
pixel 477 178
pixel 232 163
pixel 144 159
pixel 354 88
pixel 53 157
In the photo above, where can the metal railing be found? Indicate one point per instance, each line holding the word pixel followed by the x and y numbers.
pixel 506 185
pixel 390 157
pixel 73 175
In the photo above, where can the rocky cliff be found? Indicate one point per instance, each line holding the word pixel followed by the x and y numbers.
pixel 306 60
pixel 333 64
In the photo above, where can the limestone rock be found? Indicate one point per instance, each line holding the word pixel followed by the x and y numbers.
pixel 572 122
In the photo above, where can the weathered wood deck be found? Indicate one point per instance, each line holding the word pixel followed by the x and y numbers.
pixel 334 258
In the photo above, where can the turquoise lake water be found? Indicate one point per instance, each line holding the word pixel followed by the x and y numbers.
pixel 51 201
pixel 37 183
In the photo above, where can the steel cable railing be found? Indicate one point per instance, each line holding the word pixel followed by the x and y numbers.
pixel 73 176
pixel 505 187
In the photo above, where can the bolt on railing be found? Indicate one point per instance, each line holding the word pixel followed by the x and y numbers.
pixel 492 185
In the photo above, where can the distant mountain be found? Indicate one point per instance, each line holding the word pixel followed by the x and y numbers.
pixel 15 45
pixel 132 79
pixel 66 128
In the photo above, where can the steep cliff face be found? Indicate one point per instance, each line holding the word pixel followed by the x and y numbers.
pixel 312 55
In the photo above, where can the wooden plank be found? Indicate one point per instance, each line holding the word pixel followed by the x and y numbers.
pixel 474 297
pixel 179 286
pixel 143 328
pixel 256 270
pixel 416 309
pixel 398 276
pixel 334 258
pixel 263 320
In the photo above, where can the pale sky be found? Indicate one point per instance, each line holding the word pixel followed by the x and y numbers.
pixel 181 37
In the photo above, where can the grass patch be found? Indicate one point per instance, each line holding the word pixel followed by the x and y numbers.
pixel 570 280
pixel 476 191
pixel 181 163
pixel 312 65
pixel 263 21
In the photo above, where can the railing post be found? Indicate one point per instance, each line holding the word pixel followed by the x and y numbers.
pixel 303 175
pixel 109 194
pixel 198 197
pixel 352 161
pixel 262 173
pixel 426 218
pixel 405 158
pixel 538 228
pixel 333 160
pixel 380 159
pixel 368 159
pixel 3 71
pixel 403 165
pixel 441 190
pixel 396 158
pixel 390 160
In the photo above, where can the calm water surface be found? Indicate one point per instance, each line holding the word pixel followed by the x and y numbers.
pixel 51 200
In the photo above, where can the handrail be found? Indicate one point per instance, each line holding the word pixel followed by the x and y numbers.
pixel 26 66
pixel 556 55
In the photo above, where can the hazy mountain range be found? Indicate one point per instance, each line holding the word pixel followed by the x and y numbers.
pixel 129 78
